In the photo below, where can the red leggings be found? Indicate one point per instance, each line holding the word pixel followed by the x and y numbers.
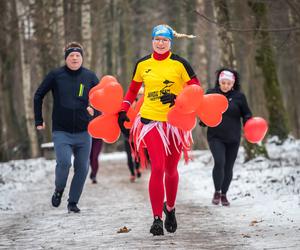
pixel 162 165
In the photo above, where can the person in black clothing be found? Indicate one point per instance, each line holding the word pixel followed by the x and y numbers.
pixel 71 114
pixel 94 161
pixel 133 165
pixel 224 139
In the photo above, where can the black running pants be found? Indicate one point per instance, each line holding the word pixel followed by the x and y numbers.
pixel 224 155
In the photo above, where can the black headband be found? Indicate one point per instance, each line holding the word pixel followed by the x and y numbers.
pixel 73 49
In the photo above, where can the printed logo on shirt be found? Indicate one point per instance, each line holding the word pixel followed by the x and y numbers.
pixel 148 70
pixel 155 95
pixel 166 88
pixel 168 83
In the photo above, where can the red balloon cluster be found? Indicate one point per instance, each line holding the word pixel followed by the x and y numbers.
pixel 106 97
pixel 191 102
pixel 255 129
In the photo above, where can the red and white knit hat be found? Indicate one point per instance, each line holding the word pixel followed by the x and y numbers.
pixel 225 74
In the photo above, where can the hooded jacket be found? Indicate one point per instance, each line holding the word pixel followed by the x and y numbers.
pixel 229 130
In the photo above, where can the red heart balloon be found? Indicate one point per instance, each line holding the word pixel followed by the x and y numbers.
pixel 214 103
pixel 211 108
pixel 189 99
pixel 108 99
pixel 210 120
pixel 105 127
pixel 104 80
pixel 255 129
pixel 183 121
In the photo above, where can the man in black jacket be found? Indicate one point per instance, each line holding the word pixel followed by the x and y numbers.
pixel 71 114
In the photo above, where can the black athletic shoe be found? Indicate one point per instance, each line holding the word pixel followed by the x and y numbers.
pixel 93 178
pixel 138 174
pixel 56 198
pixel 157 227
pixel 72 207
pixel 170 221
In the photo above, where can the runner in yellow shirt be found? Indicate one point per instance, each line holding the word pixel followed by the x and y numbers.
pixel 164 75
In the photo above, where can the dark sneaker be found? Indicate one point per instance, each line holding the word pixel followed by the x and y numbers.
pixel 170 221
pixel 56 198
pixel 224 200
pixel 138 174
pixel 157 227
pixel 93 178
pixel 217 198
pixel 72 207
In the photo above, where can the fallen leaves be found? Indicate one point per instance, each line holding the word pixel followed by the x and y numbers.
pixel 124 230
pixel 246 235
pixel 254 222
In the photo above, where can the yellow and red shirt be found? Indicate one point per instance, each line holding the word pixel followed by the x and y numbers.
pixel 161 76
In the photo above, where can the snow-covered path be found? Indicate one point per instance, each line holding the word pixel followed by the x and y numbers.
pixel 260 217
pixel 106 207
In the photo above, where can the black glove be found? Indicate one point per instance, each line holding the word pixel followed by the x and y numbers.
pixel 121 119
pixel 202 124
pixel 168 98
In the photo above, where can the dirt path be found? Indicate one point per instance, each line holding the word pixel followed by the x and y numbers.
pixel 107 207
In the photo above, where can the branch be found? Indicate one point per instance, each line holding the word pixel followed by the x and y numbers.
pixel 293 7
pixel 219 25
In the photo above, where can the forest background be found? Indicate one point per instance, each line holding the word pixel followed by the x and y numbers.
pixel 259 38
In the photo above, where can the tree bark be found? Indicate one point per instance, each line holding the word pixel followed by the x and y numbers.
pixel 278 123
pixel 225 36
pixel 26 82
pixel 86 33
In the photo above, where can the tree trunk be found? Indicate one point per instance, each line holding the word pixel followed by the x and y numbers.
pixel 225 36
pixel 72 18
pixel 26 82
pixel 97 51
pixel 282 14
pixel 13 142
pixel 278 124
pixel 86 33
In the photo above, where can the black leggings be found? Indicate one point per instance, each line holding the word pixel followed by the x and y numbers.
pixel 132 164
pixel 224 155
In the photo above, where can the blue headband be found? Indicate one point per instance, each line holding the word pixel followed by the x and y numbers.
pixel 73 49
pixel 162 30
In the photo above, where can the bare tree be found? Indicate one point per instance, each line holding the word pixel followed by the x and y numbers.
pixel 265 60
pixel 286 14
pixel 24 24
pixel 13 137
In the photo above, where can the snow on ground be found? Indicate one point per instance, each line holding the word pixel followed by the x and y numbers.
pixel 264 193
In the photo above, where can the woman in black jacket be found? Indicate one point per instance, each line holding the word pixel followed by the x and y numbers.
pixel 224 139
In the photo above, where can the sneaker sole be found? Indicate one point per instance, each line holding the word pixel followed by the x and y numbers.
pixel 215 203
pixel 225 204
pixel 70 211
